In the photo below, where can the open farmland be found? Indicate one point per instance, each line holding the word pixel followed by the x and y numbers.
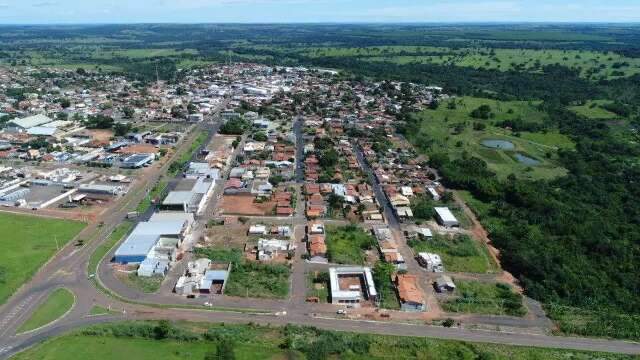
pixel 28 242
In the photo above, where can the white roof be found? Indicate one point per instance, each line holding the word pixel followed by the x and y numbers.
pixel 431 258
pixel 335 288
pixel 31 121
pixel 445 214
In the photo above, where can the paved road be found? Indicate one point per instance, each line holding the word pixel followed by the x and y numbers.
pixel 68 268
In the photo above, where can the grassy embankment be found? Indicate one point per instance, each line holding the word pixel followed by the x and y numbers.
pixel 55 306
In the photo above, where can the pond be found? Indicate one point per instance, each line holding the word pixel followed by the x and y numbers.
pixel 498 144
pixel 523 159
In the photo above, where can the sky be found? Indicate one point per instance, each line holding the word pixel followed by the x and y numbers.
pixel 295 11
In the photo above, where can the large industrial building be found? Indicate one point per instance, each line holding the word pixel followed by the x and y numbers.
pixel 155 238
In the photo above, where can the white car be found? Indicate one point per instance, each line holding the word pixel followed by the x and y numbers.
pixel 341 312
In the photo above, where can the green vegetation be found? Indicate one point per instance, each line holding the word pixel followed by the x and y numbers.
pixel 345 245
pixel 179 164
pixel 99 310
pixel 156 193
pixel 148 285
pixel 593 109
pixel 56 305
pixel 27 243
pixel 250 279
pixel 484 298
pixel 318 286
pixel 602 323
pixel 382 276
pixel 150 340
pixel 452 128
pixel 459 254
pixel 236 126
pixel 118 233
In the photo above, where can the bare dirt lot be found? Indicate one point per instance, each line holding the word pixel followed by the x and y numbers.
pixel 228 236
pixel 245 205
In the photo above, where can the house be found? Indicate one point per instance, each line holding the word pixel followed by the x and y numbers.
pixel 257 230
pixel 444 284
pixel 268 249
pixel 261 188
pixel 411 298
pixel 445 217
pixel 317 248
pixel 431 262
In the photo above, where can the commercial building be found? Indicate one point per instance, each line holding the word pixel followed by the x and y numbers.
pixel 191 200
pixel 352 285
pixel 151 239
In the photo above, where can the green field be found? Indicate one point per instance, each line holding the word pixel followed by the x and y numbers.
pixel 27 243
pixel 451 128
pixel 593 110
pixel 484 298
pixel 346 245
pixel 318 286
pixel 147 285
pixel 459 254
pixel 591 64
pixel 138 340
pixel 55 306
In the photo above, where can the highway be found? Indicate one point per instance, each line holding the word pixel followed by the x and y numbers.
pixel 68 268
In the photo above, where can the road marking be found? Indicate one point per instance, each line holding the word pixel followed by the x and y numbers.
pixel 13 313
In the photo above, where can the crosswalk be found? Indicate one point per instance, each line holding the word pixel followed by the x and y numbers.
pixel 4 323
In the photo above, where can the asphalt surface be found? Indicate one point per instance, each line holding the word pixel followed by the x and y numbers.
pixel 68 268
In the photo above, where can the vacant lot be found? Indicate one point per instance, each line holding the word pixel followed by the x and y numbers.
pixel 249 279
pixel 485 298
pixel 245 205
pixel 593 110
pixel 346 245
pixel 459 254
pixel 55 306
pixel 27 243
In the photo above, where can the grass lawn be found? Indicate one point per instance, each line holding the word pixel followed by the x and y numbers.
pixel 117 234
pixel 135 341
pixel 459 254
pixel 345 244
pixel 485 298
pixel 452 129
pixel 256 280
pixel 55 306
pixel 27 243
pixel 148 285
pixel 99 310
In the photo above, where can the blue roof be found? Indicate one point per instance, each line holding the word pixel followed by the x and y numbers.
pixel 146 235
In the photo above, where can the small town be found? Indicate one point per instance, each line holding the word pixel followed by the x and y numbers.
pixel 316 190
pixel 320 208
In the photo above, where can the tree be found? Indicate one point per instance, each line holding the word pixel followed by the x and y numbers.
pixel 128 112
pixel 162 330
pixel 224 351
pixel 260 136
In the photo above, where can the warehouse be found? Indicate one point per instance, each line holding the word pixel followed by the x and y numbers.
pixel 144 238
pixel 190 195
pixel 445 217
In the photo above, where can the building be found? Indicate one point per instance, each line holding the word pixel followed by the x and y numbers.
pixel 352 286
pixel 268 249
pixel 23 125
pixel 431 262
pixel 137 161
pixel 411 298
pixel 146 236
pixel 444 284
pixel 191 196
pixel 445 217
